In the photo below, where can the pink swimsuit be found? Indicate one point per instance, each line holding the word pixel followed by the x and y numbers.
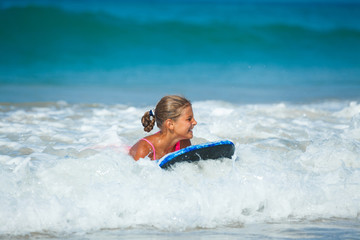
pixel 177 147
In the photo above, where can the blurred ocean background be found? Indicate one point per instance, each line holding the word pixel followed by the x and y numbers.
pixel 134 51
pixel 281 79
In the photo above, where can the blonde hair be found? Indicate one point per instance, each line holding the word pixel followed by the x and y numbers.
pixel 169 107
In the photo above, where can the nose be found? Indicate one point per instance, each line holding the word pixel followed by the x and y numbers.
pixel 194 122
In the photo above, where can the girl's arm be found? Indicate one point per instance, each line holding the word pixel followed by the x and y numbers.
pixel 185 143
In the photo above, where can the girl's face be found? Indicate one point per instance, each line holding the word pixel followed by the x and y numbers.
pixel 185 123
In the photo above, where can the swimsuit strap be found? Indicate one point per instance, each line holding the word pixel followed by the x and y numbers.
pixel 154 155
pixel 177 146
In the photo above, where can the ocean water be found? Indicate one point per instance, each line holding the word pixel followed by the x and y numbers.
pixel 129 51
pixel 281 80
pixel 65 173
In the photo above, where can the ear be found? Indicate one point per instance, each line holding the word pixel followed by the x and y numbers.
pixel 169 124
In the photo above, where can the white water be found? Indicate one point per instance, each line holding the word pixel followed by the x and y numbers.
pixel 64 168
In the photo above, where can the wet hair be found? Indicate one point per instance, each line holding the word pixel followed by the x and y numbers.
pixel 169 107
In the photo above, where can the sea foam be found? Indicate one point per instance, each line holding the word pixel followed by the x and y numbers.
pixel 65 169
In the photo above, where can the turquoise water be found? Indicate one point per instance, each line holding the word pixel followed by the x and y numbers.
pixel 281 80
pixel 240 47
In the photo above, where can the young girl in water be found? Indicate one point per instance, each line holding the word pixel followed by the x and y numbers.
pixel 175 119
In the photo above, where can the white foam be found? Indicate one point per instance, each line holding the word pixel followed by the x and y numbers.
pixel 64 168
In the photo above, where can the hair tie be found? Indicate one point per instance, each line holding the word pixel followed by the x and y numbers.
pixel 151 113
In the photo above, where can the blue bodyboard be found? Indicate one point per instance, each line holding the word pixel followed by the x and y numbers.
pixel 205 151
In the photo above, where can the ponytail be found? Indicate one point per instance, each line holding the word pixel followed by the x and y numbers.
pixel 148 121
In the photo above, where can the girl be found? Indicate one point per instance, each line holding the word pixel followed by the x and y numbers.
pixel 175 118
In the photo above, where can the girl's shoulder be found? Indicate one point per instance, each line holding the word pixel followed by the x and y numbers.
pixel 141 149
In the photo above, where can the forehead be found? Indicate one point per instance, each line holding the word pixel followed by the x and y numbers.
pixel 187 111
